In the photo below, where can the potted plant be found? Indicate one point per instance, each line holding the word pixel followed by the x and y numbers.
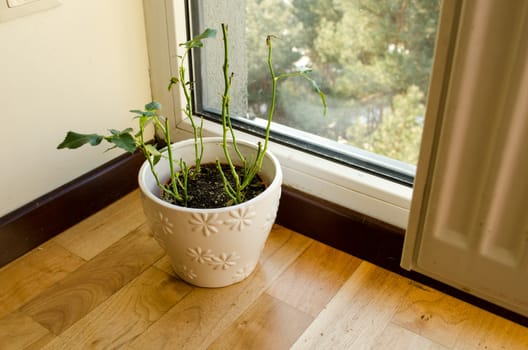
pixel 211 202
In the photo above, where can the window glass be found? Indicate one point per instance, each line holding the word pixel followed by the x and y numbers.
pixel 372 58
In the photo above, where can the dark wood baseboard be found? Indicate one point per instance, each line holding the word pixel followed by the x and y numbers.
pixel 354 233
pixel 47 216
pixel 341 228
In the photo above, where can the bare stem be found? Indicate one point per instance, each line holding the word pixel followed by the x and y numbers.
pixel 226 118
pixel 197 131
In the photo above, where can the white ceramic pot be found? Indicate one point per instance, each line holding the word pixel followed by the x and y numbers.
pixel 212 247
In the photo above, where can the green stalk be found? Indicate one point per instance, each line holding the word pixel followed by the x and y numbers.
pixel 232 131
pixel 228 80
pixel 226 123
pixel 147 156
pixel 228 189
pixel 198 146
pixel 274 81
pixel 174 182
pixel 185 174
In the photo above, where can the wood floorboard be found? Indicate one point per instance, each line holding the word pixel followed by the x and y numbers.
pixel 321 271
pixel 105 283
pixel 262 326
pixel 23 279
pixel 81 291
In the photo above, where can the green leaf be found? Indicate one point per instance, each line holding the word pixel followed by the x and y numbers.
pixel 153 106
pixel 123 140
pixel 143 121
pixel 118 133
pixel 197 40
pixel 154 152
pixel 316 89
pixel 75 140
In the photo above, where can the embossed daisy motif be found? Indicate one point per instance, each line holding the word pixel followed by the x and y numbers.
pixel 242 273
pixel 162 226
pixel 199 255
pixel 269 220
pixel 205 223
pixel 224 261
pixel 165 224
pixel 189 273
pixel 241 218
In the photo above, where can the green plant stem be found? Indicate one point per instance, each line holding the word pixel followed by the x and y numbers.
pixel 226 123
pixel 197 132
pixel 185 174
pixel 228 189
pixel 173 179
pixel 147 155
pixel 274 82
pixel 228 80
pixel 232 131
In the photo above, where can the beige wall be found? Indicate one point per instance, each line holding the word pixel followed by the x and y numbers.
pixel 79 66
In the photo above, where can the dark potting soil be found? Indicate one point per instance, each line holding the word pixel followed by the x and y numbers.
pixel 206 189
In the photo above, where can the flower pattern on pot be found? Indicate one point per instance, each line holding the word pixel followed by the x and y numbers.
pixel 269 221
pixel 223 261
pixel 205 223
pixel 206 247
pixel 242 273
pixel 241 218
pixel 199 255
pixel 161 227
pixel 189 273
pixel 166 225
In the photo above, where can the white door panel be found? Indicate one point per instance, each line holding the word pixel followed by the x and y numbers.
pixel 468 224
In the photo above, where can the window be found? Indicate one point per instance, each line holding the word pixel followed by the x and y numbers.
pixel 372 58
pixel 323 167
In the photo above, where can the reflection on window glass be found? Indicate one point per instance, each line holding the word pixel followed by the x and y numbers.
pixel 372 58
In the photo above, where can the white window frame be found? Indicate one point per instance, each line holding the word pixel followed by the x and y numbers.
pixel 362 192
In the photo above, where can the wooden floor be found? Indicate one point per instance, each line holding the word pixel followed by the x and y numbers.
pixel 105 283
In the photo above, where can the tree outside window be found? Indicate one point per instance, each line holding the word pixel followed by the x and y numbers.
pixel 372 58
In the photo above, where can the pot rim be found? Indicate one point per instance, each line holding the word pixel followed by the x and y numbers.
pixel 276 182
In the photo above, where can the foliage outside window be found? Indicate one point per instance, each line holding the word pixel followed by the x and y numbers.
pixel 372 57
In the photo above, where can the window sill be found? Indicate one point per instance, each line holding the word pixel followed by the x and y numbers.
pixel 352 189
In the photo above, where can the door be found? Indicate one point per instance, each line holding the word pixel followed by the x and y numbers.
pixel 468 225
